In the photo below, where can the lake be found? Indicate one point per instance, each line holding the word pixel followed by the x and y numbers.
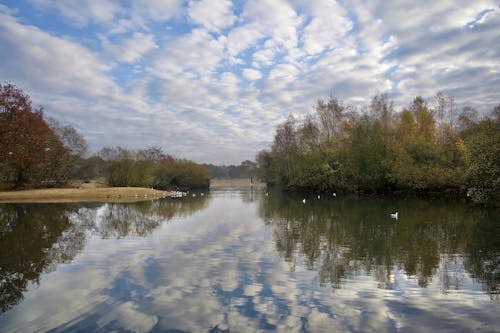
pixel 238 260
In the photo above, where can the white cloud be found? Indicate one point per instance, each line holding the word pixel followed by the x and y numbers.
pixel 328 26
pixel 83 11
pixel 157 10
pixel 252 74
pixel 214 15
pixel 243 37
pixel 265 56
pixel 148 66
pixel 276 19
pixel 132 49
pixel 196 52
pixel 41 61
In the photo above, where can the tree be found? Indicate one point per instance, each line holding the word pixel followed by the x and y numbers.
pixel 382 109
pixel 424 120
pixel 467 118
pixel 366 153
pixel 496 114
pixel 417 159
pixel 180 174
pixel 265 167
pixel 331 115
pixel 71 163
pixel 480 146
pixel 70 138
pixel 29 149
pixel 284 149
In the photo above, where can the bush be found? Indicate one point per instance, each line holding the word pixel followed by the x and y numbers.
pixel 181 174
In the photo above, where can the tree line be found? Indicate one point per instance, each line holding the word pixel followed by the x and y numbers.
pixel 36 152
pixel 151 168
pixel 246 169
pixel 423 148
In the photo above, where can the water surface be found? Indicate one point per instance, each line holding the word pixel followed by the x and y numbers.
pixel 238 260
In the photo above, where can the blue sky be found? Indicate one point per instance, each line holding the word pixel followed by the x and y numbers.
pixel 209 80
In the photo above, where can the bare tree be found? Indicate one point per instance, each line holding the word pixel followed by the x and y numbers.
pixel 330 115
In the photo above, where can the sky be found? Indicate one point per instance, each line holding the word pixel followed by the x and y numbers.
pixel 210 80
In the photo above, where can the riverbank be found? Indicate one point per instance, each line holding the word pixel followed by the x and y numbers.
pixel 96 194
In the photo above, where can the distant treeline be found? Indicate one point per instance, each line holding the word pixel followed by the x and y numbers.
pixel 151 168
pixel 247 169
pixel 36 152
pixel 422 149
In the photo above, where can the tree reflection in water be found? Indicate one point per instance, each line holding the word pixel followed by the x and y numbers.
pixel 35 238
pixel 344 238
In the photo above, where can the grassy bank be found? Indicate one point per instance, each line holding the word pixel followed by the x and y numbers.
pixel 103 194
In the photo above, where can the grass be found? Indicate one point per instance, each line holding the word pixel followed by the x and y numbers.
pixel 102 194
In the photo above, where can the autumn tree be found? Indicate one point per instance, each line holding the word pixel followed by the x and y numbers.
pixel 331 115
pixel 285 148
pixel 366 153
pixel 265 161
pixel 151 168
pixel 480 145
pixel 29 149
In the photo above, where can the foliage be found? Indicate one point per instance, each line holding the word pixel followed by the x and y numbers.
pixel 247 169
pixel 480 146
pixel 151 168
pixel 31 153
pixel 181 174
pixel 366 152
pixel 381 150
pixel 87 168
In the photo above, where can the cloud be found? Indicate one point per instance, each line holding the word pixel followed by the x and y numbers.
pixel 277 20
pixel 157 10
pixel 82 12
pixel 132 49
pixel 214 15
pixel 323 32
pixel 43 62
pixel 181 70
pixel 197 53
pixel 252 74
pixel 242 38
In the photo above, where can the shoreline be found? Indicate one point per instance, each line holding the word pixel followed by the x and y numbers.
pixel 101 194
pixel 234 182
pixel 94 192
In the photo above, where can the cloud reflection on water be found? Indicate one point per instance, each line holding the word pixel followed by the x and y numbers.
pixel 223 268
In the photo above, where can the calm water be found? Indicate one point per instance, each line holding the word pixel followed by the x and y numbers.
pixel 238 260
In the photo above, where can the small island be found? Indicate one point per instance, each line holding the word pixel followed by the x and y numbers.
pixel 94 194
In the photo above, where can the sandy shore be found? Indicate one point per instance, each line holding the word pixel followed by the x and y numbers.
pixel 95 192
pixel 102 194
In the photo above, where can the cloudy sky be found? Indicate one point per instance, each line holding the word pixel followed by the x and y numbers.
pixel 209 80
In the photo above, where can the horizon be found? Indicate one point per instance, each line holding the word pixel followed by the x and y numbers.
pixel 209 81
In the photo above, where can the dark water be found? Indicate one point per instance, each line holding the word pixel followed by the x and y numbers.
pixel 238 260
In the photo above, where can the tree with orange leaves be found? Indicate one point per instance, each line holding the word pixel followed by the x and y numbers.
pixel 28 147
